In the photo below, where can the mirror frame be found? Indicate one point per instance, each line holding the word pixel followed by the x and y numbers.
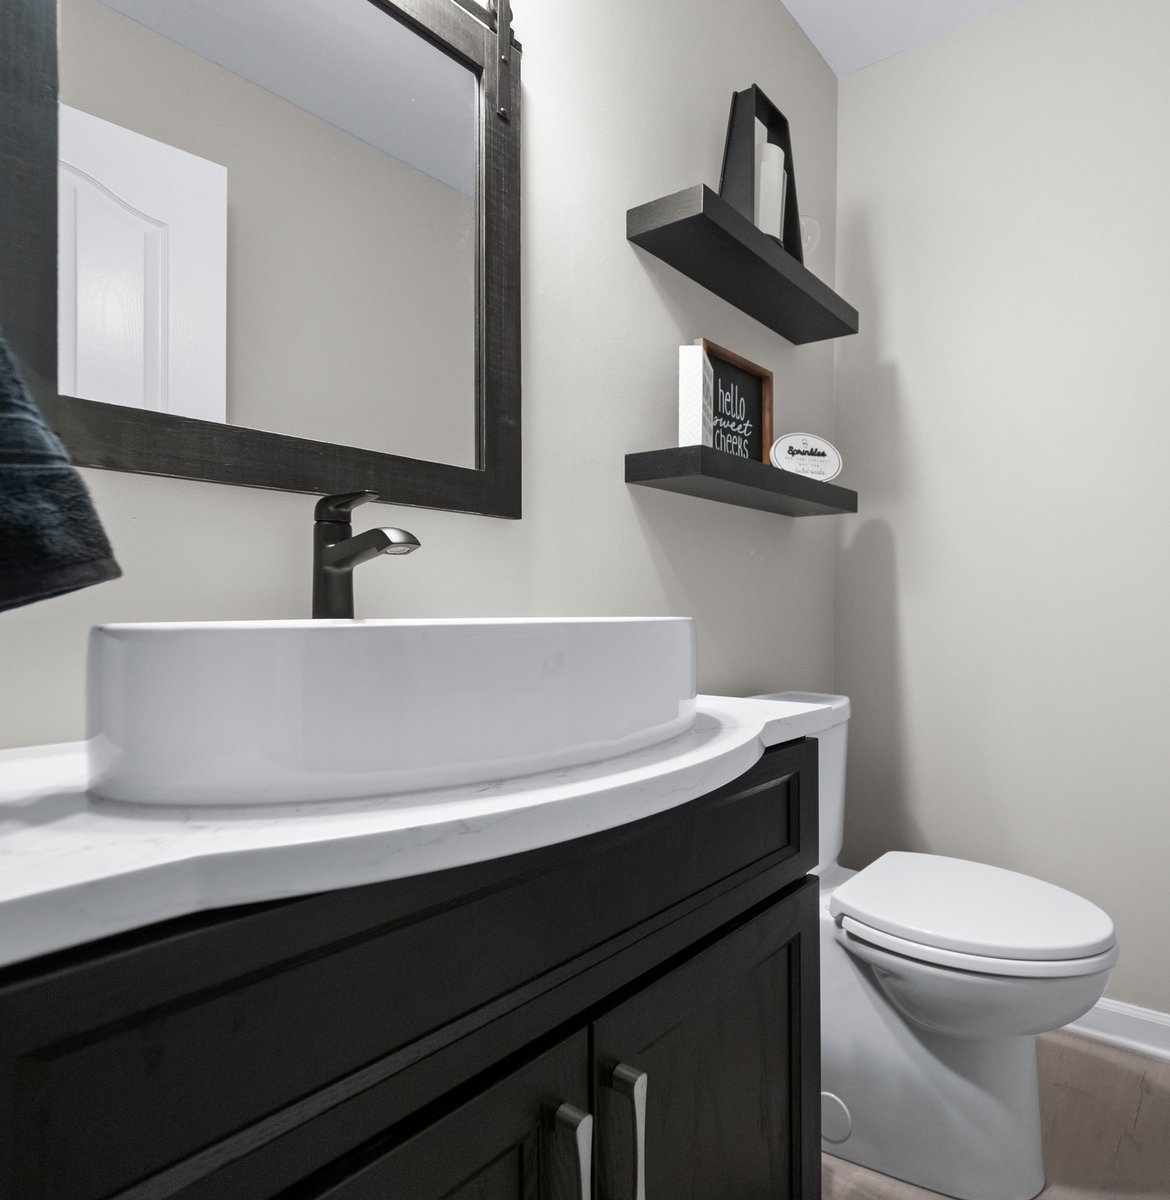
pixel 118 438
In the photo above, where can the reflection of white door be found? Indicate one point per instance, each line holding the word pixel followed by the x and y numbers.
pixel 142 271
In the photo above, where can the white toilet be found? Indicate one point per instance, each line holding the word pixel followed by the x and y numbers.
pixel 936 975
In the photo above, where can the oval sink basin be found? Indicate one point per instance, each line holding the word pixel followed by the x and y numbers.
pixel 285 712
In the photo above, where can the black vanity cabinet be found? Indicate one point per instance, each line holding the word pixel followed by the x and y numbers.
pixel 629 1015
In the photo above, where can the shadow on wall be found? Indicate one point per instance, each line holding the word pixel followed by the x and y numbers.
pixel 894 598
pixel 749 579
pixel 868 646
pixel 695 312
pixel 870 673
pixel 680 300
pixel 871 430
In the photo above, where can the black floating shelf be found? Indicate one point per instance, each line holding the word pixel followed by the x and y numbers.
pixel 714 475
pixel 701 235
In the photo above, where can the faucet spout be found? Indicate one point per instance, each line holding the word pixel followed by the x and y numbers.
pixel 337 551
pixel 353 551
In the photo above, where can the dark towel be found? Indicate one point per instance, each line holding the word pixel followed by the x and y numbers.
pixel 50 538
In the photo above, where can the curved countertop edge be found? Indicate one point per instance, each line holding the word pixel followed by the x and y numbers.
pixel 73 870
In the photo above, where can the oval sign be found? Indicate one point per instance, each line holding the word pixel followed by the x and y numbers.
pixel 806 454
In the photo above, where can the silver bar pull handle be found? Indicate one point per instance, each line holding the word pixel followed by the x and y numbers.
pixel 572 1167
pixel 631 1083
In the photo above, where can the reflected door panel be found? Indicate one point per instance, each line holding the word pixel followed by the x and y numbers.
pixel 142 271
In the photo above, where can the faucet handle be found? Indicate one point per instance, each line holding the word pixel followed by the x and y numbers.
pixel 338 508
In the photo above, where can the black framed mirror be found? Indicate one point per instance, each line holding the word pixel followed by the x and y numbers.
pixel 326 452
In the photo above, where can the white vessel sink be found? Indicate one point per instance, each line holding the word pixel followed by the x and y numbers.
pixel 280 712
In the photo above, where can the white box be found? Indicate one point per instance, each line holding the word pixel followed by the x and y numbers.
pixel 696 397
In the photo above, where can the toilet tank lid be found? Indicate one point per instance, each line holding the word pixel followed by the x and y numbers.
pixel 953 904
pixel 837 707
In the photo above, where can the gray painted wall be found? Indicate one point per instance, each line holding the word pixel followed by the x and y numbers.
pixel 1002 600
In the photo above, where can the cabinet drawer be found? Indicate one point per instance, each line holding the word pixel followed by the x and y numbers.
pixel 177 1051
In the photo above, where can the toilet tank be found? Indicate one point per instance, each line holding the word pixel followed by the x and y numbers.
pixel 831 743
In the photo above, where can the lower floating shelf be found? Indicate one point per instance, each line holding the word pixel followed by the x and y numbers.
pixel 714 475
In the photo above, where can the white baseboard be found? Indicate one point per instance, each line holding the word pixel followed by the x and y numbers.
pixel 1142 1029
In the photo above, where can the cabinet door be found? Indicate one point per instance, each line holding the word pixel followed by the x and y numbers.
pixel 707 1081
pixel 528 1137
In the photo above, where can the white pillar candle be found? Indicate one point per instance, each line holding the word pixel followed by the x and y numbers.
pixel 771 183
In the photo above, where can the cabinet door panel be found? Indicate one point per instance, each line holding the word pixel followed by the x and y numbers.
pixel 729 1043
pixel 500 1145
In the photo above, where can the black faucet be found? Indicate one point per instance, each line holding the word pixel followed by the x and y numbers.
pixel 336 551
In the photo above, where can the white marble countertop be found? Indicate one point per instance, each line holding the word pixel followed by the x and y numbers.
pixel 73 869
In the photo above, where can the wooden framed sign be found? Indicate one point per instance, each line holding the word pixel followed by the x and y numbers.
pixel 743 404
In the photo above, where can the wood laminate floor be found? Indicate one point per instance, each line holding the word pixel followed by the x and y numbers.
pixel 1106 1122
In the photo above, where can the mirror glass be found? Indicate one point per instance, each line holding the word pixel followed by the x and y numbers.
pixel 268 217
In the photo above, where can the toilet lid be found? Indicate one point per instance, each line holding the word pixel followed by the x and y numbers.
pixel 973 908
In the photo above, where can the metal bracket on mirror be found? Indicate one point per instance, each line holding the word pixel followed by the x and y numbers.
pixel 501 11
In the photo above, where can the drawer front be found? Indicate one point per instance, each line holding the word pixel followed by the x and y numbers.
pixel 178 1053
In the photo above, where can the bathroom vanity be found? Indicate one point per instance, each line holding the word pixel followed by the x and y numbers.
pixel 639 1003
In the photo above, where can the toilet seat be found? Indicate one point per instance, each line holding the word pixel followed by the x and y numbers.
pixel 981 964
pixel 951 912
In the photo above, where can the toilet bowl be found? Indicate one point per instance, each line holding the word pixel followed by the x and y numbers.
pixel 967 1003
pixel 936 975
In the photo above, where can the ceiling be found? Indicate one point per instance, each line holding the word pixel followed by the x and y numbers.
pixel 851 34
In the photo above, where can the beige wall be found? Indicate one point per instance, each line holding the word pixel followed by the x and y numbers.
pixel 351 275
pixel 1003 599
pixel 623 103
